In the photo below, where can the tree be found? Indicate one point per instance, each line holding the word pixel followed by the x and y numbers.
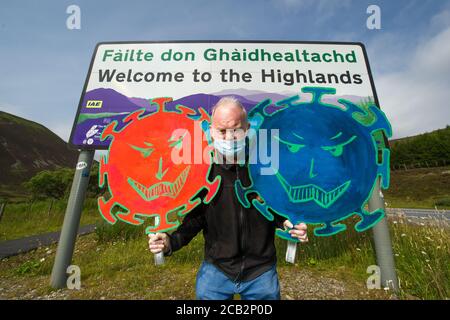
pixel 56 184
pixel 50 184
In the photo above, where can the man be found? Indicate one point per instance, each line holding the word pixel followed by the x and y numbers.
pixel 240 256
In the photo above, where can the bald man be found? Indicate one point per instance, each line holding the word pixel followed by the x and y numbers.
pixel 240 256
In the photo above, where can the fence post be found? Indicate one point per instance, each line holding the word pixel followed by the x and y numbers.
pixel 50 207
pixel 2 209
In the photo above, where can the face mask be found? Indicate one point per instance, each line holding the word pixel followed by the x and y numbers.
pixel 229 147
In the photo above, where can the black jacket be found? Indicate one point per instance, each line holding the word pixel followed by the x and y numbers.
pixel 239 241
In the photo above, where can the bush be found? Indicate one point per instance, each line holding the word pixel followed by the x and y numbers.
pixel 56 184
pixel 432 147
pixel 28 267
pixel 443 202
pixel 50 184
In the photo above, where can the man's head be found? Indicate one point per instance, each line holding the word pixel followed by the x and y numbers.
pixel 229 126
pixel 229 120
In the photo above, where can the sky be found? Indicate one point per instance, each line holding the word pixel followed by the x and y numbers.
pixel 43 64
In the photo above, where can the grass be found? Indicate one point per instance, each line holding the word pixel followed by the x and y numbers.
pixel 116 264
pixel 26 219
pixel 419 188
pixel 110 269
pixel 13 193
pixel 422 256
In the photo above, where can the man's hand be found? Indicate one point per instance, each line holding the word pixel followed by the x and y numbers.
pixel 298 231
pixel 158 242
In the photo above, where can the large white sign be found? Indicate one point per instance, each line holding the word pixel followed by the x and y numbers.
pixel 124 77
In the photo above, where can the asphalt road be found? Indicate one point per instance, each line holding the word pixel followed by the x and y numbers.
pixel 421 213
pixel 14 247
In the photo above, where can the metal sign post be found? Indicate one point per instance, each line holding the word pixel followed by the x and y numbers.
pixel 159 258
pixel 72 217
pixel 291 251
pixel 383 244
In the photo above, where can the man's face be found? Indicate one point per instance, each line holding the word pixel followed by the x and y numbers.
pixel 229 123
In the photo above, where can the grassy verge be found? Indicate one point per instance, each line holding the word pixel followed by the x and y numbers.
pixel 422 256
pixel 126 270
pixel 419 188
pixel 116 264
pixel 26 219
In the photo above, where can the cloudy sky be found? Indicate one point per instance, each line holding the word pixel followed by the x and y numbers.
pixel 43 64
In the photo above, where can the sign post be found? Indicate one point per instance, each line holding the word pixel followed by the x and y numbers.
pixel 383 244
pixel 159 258
pixel 72 217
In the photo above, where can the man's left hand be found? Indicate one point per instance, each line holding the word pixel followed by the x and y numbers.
pixel 298 231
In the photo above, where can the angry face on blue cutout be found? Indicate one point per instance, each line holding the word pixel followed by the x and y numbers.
pixel 327 163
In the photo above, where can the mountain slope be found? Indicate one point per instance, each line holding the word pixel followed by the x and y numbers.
pixel 426 149
pixel 27 147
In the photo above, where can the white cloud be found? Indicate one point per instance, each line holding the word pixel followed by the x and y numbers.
pixel 440 20
pixel 390 51
pixel 416 99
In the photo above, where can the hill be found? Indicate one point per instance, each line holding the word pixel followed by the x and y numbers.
pixel 26 148
pixel 424 150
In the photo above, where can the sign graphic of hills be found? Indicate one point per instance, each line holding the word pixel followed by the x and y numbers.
pixel 115 103
pixel 258 96
pixel 116 106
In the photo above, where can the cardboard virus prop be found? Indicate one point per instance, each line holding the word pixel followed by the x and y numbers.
pixel 328 162
pixel 145 179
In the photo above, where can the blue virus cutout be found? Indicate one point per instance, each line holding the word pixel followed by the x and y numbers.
pixel 328 165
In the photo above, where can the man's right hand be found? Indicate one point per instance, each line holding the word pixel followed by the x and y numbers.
pixel 158 242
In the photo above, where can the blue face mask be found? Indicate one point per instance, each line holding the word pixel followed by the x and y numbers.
pixel 229 148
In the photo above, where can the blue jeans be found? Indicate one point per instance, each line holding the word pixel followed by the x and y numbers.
pixel 213 284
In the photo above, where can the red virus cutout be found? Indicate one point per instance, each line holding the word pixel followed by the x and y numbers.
pixel 157 165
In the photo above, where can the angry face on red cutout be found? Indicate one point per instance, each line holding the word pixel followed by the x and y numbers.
pixel 155 168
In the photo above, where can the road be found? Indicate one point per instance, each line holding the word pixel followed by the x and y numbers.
pixel 14 247
pixel 421 213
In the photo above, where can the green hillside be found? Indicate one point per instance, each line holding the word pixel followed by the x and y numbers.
pixel 27 148
pixel 430 149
